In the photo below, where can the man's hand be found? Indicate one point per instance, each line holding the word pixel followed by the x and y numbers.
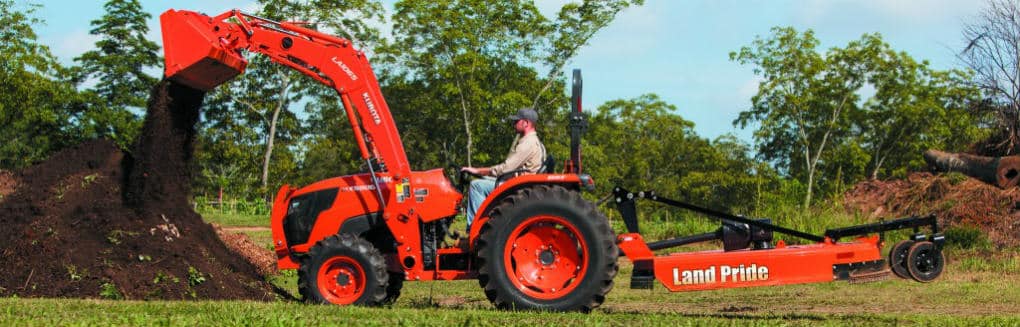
pixel 476 171
pixel 471 170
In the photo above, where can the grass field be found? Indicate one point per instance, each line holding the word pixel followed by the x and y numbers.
pixel 977 289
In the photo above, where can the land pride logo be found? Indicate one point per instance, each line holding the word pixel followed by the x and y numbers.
pixel 720 274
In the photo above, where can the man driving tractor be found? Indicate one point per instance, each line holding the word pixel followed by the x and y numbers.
pixel 525 157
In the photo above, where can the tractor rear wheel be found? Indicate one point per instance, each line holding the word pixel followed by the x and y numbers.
pixel 343 269
pixel 546 248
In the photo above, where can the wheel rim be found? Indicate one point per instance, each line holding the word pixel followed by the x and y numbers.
pixel 545 257
pixel 926 262
pixel 341 280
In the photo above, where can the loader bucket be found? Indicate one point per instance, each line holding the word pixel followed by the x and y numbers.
pixel 193 52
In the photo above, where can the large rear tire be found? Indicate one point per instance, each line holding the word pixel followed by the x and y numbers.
pixel 343 269
pixel 546 248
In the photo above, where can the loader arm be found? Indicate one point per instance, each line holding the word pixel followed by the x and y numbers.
pixel 203 52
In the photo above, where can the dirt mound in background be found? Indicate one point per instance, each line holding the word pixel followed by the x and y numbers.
pixel 91 221
pixel 955 199
pixel 7 184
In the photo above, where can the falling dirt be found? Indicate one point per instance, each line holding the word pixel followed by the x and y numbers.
pixel 92 221
pixel 955 199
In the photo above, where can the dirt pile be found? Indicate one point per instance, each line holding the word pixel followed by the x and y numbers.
pixel 955 199
pixel 91 221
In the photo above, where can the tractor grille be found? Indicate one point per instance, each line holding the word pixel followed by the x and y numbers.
pixel 303 211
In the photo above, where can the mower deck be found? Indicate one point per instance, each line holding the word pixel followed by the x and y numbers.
pixel 750 258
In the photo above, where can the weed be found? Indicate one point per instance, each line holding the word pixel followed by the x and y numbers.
pixel 955 178
pixel 88 179
pixel 968 238
pixel 60 191
pixel 117 236
pixel 144 257
pixel 72 271
pixel 195 277
pixel 161 277
pixel 110 292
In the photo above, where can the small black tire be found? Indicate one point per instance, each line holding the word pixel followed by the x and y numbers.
pixel 925 261
pixel 563 236
pixel 343 269
pixel 898 258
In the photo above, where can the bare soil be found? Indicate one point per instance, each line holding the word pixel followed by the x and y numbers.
pixel 237 241
pixel 92 221
pixel 955 201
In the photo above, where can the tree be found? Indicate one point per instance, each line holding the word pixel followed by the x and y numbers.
pixel 642 144
pixel 117 67
pixel 914 108
pixel 575 25
pixel 256 106
pixel 805 99
pixel 453 45
pixel 993 42
pixel 37 107
pixel 478 58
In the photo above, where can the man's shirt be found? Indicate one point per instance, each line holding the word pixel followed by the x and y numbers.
pixel 527 153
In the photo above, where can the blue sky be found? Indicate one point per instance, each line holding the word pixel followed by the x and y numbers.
pixel 676 49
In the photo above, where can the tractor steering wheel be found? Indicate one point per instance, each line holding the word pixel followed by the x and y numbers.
pixel 462 177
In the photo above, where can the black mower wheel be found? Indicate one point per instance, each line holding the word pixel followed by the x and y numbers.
pixel 343 269
pixel 925 261
pixel 898 258
pixel 546 248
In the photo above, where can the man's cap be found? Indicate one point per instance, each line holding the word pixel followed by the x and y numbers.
pixel 524 113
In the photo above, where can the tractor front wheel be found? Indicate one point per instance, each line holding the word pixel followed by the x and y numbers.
pixel 546 248
pixel 343 269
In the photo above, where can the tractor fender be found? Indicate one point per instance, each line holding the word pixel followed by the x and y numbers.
pixel 570 181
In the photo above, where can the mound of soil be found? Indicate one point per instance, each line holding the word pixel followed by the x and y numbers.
pixel 92 221
pixel 955 199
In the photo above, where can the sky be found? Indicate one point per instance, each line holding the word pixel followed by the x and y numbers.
pixel 676 49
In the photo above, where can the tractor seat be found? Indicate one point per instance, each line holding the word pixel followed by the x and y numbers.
pixel 548 166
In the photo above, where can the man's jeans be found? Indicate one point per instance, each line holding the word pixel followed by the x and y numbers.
pixel 480 188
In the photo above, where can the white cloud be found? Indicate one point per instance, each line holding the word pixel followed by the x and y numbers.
pixel 635 30
pixel 74 44
pixel 749 88
pixel 916 11
pixel 550 8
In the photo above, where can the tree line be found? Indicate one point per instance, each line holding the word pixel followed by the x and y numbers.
pixel 823 119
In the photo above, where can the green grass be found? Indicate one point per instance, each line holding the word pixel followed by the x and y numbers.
pixel 978 288
pixel 228 219
pixel 960 298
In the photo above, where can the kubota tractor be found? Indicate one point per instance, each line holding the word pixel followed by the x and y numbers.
pixel 536 243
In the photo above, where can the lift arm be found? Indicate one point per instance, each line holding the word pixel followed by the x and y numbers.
pixel 204 52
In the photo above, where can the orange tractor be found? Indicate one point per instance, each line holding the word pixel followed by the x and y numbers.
pixel 536 244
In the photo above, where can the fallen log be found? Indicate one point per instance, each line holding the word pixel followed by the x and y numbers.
pixel 1003 172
